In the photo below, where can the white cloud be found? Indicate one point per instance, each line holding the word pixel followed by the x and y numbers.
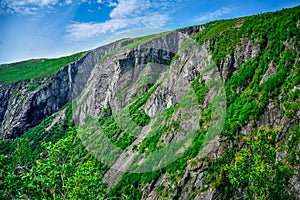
pixel 25 6
pixel 126 14
pixel 214 15
pixel 68 2
pixel 127 8
pixel 82 31
pixel 111 3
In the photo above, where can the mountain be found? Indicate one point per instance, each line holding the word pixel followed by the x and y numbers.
pixel 203 112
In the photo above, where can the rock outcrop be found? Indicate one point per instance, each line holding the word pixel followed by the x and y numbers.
pixel 25 104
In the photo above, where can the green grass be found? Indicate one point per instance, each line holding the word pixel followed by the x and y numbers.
pixel 147 39
pixel 135 44
pixel 34 69
pixel 40 68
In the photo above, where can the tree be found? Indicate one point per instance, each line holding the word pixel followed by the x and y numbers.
pixel 255 169
pixel 23 152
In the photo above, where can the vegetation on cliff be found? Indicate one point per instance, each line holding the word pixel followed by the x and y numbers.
pixel 54 164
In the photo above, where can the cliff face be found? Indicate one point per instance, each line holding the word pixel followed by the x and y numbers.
pixel 26 103
pixel 196 113
pixel 117 81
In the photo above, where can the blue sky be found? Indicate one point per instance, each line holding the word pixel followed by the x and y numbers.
pixel 52 28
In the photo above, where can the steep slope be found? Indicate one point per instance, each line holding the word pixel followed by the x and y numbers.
pixel 26 97
pixel 205 112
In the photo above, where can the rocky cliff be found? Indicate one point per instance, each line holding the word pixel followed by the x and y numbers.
pixel 26 103
pixel 205 112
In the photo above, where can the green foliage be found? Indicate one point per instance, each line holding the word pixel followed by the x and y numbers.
pixel 123 136
pixel 150 143
pixel 189 100
pixel 205 117
pixel 6 147
pixel 146 39
pixel 174 59
pixel 256 174
pixel 225 33
pixel 50 164
pixel 200 88
pixel 147 76
pixel 134 44
pixel 23 152
pixel 126 187
pixel 9 181
pixel 129 182
pixel 240 80
pixel 34 69
pixel 291 147
pixel 138 115
pixel 38 134
pixel 112 131
pixel 110 128
pixel 262 28
pixel 292 104
pixel 53 164
pixel 158 128
pixel 255 167
pixel 70 176
pixel 185 45
pixel 275 81
pixel 68 172
pixel 125 140
pixel 33 85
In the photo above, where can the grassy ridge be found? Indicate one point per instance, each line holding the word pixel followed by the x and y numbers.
pixel 40 68
pixel 35 68
pixel 140 40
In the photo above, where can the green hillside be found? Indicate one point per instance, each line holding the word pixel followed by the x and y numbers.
pixel 54 164
pixel 34 69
